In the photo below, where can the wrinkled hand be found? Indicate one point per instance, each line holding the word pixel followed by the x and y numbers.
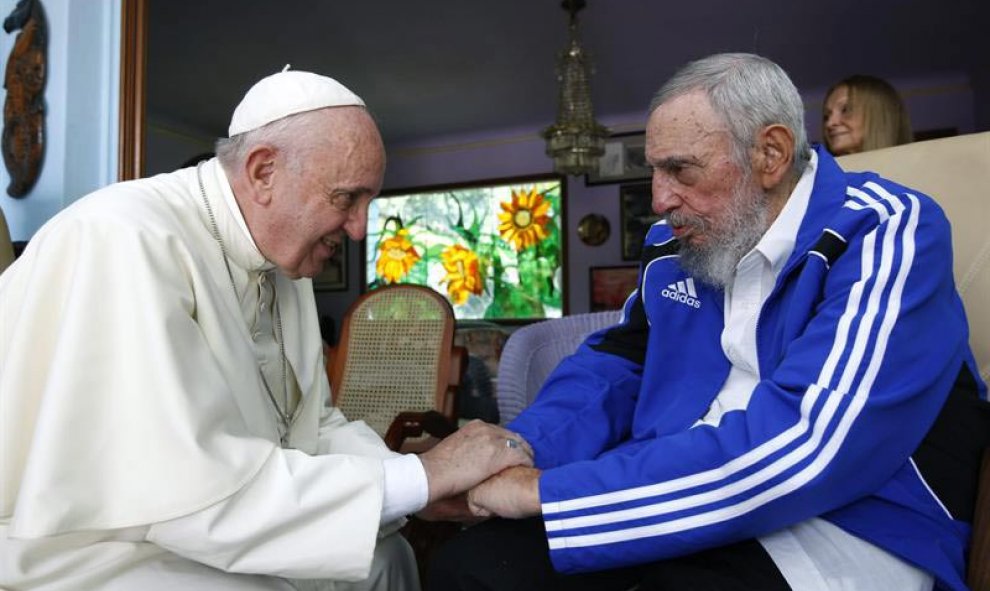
pixel 449 509
pixel 470 455
pixel 514 494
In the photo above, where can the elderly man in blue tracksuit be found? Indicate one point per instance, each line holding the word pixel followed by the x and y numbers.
pixel 789 402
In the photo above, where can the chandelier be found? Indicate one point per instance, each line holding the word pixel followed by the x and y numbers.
pixel 576 141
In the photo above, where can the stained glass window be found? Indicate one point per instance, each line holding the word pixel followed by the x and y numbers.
pixel 495 250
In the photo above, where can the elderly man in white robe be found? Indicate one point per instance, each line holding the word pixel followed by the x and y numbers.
pixel 163 401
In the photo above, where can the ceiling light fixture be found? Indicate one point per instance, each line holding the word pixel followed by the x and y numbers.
pixel 576 141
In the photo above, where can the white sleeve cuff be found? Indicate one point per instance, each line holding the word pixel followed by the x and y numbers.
pixel 406 489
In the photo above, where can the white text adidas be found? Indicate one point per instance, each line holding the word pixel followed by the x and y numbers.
pixel 683 292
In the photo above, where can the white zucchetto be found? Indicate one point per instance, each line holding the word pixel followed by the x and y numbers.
pixel 287 93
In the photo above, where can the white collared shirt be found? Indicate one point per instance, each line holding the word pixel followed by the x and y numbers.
pixel 755 276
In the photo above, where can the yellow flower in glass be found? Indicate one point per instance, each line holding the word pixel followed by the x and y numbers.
pixel 397 257
pixel 463 273
pixel 524 220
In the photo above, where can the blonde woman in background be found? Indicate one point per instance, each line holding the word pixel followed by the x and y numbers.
pixel 863 113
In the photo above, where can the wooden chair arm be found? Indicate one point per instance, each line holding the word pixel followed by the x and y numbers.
pixel 979 551
pixel 413 424
pixel 458 364
pixel 458 367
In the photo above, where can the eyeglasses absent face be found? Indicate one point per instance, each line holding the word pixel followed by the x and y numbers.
pixel 842 123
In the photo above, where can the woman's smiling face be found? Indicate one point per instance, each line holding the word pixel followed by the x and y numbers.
pixel 843 123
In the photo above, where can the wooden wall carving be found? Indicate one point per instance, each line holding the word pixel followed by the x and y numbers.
pixel 24 107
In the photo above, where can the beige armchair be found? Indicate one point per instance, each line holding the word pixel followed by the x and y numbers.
pixel 956 172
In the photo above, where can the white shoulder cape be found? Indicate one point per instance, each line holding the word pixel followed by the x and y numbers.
pixel 128 388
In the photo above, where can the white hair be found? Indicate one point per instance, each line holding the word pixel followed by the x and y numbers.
pixel 748 92
pixel 293 135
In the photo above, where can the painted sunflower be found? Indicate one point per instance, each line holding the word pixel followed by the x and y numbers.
pixel 463 273
pixel 524 219
pixel 397 256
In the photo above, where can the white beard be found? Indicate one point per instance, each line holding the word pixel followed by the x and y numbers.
pixel 740 229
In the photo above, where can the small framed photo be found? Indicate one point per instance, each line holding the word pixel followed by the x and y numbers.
pixel 635 218
pixel 334 275
pixel 624 160
pixel 611 286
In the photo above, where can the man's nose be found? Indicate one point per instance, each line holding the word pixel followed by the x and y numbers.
pixel 356 225
pixel 665 196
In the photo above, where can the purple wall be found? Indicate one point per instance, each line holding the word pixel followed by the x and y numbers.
pixel 933 103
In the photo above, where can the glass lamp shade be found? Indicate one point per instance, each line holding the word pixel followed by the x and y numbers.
pixel 576 141
pixel 575 150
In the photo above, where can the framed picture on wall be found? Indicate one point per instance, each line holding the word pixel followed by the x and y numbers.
pixel 635 218
pixel 624 160
pixel 334 275
pixel 611 286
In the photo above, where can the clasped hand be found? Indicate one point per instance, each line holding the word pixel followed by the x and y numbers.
pixel 513 493
pixel 469 456
pixel 491 464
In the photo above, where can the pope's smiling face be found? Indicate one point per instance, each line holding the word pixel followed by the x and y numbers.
pixel 322 193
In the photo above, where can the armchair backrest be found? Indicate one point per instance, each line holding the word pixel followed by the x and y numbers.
pixel 394 356
pixel 533 351
pixel 955 172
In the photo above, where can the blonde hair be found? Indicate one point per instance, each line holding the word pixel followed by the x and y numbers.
pixel 885 118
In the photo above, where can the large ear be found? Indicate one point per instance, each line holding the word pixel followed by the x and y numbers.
pixel 773 155
pixel 259 169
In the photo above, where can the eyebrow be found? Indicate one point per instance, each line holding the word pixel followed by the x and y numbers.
pixel 355 190
pixel 675 163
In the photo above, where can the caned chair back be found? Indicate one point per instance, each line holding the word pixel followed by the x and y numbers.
pixel 394 356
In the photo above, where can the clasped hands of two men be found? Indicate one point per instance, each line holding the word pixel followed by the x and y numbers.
pixel 479 471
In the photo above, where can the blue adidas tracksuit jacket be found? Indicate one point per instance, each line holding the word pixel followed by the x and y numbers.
pixel 867 413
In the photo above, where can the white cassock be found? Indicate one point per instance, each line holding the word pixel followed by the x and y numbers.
pixel 139 448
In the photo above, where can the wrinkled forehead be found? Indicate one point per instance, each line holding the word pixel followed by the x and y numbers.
pixel 686 124
pixel 349 124
pixel 350 157
pixel 343 134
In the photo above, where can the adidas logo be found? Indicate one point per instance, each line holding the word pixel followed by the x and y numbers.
pixel 683 292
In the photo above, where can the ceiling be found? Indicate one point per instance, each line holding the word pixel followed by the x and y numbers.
pixel 444 67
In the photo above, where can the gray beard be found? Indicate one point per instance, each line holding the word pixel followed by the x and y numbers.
pixel 714 262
